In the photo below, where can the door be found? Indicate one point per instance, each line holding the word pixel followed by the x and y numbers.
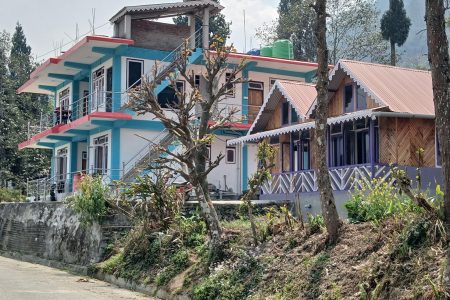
pixel 109 80
pixel 84 161
pixel 61 170
pixel 255 99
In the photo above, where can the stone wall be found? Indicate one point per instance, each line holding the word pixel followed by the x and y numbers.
pixel 53 231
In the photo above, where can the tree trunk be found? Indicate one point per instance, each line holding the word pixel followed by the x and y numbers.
pixel 392 53
pixel 212 219
pixel 438 58
pixel 326 193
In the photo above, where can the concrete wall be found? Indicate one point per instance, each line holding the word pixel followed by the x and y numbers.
pixel 53 231
pixel 158 36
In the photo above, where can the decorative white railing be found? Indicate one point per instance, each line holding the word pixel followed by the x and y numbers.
pixel 342 179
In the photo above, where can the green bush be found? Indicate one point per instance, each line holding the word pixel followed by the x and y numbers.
pixel 316 223
pixel 377 200
pixel 90 200
pixel 192 229
pixel 178 263
pixel 9 195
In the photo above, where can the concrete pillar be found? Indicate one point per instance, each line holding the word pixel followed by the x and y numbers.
pixel 116 30
pixel 127 26
pixel 205 27
pixel 192 38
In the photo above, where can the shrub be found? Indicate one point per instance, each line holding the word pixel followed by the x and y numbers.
pixel 192 230
pixel 90 200
pixel 375 201
pixel 316 223
pixel 10 195
pixel 178 263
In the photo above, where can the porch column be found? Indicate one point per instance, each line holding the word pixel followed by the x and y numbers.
pixel 73 164
pixel 205 28
pixel 372 146
pixel 127 26
pixel 244 167
pixel 191 22
pixel 291 153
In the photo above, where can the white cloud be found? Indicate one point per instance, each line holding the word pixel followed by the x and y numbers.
pixel 256 13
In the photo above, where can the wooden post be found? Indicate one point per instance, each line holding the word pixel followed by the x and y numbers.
pixel 372 146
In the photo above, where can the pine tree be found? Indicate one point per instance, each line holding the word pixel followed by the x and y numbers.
pixel 395 26
pixel 16 111
pixel 217 24
pixel 296 22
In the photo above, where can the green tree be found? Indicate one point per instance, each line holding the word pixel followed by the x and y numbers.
pixel 395 26
pixel 17 110
pixel 353 31
pixel 296 22
pixel 218 25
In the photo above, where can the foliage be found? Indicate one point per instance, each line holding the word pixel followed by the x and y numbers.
pixel 10 195
pixel 157 201
pixel 353 31
pixel 90 201
pixel 16 110
pixel 377 200
pixel 192 230
pixel 395 23
pixel 179 261
pixel 316 223
pixel 217 24
pixel 231 283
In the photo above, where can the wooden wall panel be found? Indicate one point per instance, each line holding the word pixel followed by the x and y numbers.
pixel 371 103
pixel 275 120
pixel 401 138
pixel 335 107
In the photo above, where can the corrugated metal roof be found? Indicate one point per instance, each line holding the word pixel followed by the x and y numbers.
pixel 186 5
pixel 301 95
pixel 401 89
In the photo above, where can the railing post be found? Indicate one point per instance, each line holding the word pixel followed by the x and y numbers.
pixel 123 169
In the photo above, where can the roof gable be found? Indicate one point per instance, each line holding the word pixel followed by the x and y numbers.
pixel 299 94
pixel 401 89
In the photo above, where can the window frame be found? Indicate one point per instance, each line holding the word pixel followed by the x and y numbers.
pixel 344 98
pixel 128 72
pixel 97 143
pixel 232 89
pixel 230 148
pixel 64 95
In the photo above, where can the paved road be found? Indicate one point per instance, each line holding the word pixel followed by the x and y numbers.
pixel 24 281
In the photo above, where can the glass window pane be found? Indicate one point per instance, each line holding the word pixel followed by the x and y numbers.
pixel 285 113
pixel 134 73
pixel 361 98
pixel 294 115
pixel 349 105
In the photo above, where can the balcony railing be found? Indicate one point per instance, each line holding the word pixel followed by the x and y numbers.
pixel 342 179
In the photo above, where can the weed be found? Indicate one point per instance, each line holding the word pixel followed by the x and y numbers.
pixel 316 223
pixel 9 195
pixel 90 200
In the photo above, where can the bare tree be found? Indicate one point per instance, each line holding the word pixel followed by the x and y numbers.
pixel 323 177
pixel 192 120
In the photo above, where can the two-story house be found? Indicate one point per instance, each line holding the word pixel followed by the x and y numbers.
pixel 92 131
pixel 379 116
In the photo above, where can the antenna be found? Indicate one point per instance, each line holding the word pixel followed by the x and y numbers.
pixel 93 22
pixel 245 36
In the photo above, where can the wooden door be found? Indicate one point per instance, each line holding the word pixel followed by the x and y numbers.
pixel 255 99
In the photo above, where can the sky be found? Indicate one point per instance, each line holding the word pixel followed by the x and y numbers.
pixel 50 23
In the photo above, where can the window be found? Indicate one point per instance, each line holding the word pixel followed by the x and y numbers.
pixel 285 113
pixel 134 73
pixel 98 88
pixel 61 170
pixel 64 98
pixel 101 155
pixel 336 146
pixel 109 81
pixel 274 140
pixel 230 87
pixel 361 101
pixel 230 155
pixel 349 104
pixel 197 81
pixel 294 115
pixel 357 143
pixel 208 154
pixel 168 97
pixel 302 152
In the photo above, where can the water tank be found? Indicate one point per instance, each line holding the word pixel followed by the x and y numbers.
pixel 266 51
pixel 283 49
pixel 254 51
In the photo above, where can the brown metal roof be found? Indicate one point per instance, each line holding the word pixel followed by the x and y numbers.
pixel 301 95
pixel 401 89
pixel 162 10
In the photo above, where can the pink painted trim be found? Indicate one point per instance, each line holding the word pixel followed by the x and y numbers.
pixel 61 128
pixel 57 60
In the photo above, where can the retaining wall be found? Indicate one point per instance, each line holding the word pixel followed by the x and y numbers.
pixel 53 231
